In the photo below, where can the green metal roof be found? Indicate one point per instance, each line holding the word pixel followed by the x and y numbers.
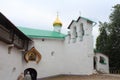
pixel 36 33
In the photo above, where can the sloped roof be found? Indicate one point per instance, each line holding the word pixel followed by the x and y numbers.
pixel 4 21
pixel 85 19
pixel 37 33
pixel 79 19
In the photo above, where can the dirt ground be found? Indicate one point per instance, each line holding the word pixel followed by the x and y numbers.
pixel 78 77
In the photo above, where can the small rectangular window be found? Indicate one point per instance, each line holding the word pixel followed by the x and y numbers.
pixel 102 60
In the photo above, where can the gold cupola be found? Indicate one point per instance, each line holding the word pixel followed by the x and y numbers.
pixel 57 22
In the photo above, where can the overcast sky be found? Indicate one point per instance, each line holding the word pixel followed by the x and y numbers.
pixel 41 13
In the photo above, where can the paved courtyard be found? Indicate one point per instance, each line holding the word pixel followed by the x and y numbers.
pixel 91 77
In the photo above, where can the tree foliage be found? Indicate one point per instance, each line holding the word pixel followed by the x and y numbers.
pixel 108 42
pixel 102 38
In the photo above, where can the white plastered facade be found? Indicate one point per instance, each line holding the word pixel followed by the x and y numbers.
pixel 103 66
pixel 72 55
pixel 65 56
pixel 11 62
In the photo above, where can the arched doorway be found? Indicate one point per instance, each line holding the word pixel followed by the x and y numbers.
pixel 33 73
pixel 95 62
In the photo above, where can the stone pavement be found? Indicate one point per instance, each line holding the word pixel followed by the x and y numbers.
pixel 78 77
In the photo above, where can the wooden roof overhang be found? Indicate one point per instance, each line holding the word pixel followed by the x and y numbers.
pixel 10 29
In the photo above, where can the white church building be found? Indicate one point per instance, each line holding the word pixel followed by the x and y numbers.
pixel 46 53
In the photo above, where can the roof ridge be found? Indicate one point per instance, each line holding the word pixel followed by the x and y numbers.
pixel 38 33
pixel 32 28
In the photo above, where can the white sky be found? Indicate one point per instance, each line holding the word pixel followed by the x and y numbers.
pixel 41 13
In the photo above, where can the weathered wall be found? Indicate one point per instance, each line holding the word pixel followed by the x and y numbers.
pixel 102 67
pixel 65 56
pixel 52 61
pixel 79 58
pixel 10 64
pixel 79 49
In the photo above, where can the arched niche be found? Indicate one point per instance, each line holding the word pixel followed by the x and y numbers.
pixel 32 72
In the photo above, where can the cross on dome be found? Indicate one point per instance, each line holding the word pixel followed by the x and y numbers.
pixel 57 22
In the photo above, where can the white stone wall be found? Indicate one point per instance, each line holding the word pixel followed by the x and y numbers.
pixel 87 26
pixel 52 61
pixel 79 49
pixel 10 64
pixel 65 56
pixel 72 56
pixel 104 68
pixel 79 57
pixel 59 57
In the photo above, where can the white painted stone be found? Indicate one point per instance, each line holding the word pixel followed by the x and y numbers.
pixel 104 68
pixel 66 56
pixel 72 55
pixel 10 64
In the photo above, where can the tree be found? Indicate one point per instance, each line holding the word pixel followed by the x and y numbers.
pixel 115 37
pixel 108 42
pixel 102 39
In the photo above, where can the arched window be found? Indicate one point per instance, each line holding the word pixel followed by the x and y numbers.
pixel 75 32
pixel 102 60
pixel 69 37
pixel 82 29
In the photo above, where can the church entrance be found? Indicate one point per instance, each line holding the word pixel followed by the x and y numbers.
pixel 32 72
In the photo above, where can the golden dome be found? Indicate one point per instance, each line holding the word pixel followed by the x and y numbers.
pixel 57 22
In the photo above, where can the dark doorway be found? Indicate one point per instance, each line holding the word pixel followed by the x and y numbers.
pixel 33 73
pixel 95 62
